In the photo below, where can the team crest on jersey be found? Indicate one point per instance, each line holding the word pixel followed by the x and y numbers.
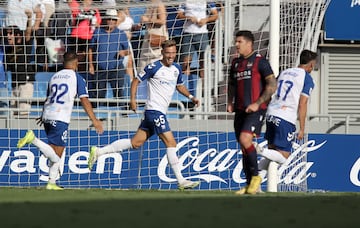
pixel 142 73
pixel 249 64
pixel 176 73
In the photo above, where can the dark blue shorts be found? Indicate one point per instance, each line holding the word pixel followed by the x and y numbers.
pixel 57 132
pixel 279 133
pixel 248 122
pixel 154 122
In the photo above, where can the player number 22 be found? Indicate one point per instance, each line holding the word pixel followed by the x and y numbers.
pixel 58 91
pixel 288 84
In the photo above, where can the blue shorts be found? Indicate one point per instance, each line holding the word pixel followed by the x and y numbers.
pixel 279 133
pixel 248 122
pixel 192 43
pixel 154 122
pixel 57 132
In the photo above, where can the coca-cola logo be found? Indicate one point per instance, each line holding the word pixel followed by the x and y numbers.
pixel 354 173
pixel 295 170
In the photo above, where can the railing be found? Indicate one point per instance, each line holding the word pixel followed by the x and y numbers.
pixel 113 112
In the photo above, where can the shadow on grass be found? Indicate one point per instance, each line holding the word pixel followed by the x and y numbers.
pixel 187 212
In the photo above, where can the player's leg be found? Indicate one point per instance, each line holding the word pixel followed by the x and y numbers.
pixel 280 135
pixel 250 156
pixel 45 149
pixel 162 129
pixel 57 133
pixel 114 147
pixel 54 169
pixel 119 145
pixel 169 141
pixel 252 126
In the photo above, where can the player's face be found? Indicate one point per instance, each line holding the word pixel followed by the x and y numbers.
pixel 169 55
pixel 243 46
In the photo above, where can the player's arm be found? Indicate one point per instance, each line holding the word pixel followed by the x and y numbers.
pixel 133 88
pixel 183 90
pixel 270 88
pixel 230 93
pixel 89 110
pixel 302 110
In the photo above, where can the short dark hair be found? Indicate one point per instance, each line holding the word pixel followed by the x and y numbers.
pixel 168 43
pixel 248 35
pixel 69 57
pixel 13 29
pixel 306 56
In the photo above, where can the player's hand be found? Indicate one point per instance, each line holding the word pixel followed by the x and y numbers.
pixel 98 125
pixel 133 105
pixel 39 121
pixel 300 135
pixel 254 107
pixel 230 108
pixel 196 101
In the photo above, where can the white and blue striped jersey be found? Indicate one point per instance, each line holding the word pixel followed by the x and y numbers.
pixel 62 90
pixel 291 83
pixel 161 84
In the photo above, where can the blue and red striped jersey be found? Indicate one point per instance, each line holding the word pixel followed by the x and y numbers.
pixel 248 75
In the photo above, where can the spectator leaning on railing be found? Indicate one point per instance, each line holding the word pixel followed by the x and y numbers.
pixel 18 47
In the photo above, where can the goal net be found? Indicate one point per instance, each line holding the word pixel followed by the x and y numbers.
pixel 207 147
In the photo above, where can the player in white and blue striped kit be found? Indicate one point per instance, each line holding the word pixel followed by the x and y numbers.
pixel 163 77
pixel 294 87
pixel 62 89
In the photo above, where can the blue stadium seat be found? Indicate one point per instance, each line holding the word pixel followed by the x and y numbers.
pixel 9 81
pixel 40 83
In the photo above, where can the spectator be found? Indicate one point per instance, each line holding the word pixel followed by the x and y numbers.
pixel 109 46
pixel 17 17
pixel 138 32
pixel 251 85
pixel 49 6
pixel 126 23
pixel 174 24
pixel 17 14
pixel 18 47
pixel 85 18
pixel 195 36
pixel 154 20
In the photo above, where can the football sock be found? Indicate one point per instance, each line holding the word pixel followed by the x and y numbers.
pixel 273 155
pixel 246 166
pixel 253 163
pixel 53 171
pixel 116 146
pixel 263 166
pixel 46 149
pixel 174 163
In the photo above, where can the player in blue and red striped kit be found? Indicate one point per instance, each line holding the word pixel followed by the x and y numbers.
pixel 251 85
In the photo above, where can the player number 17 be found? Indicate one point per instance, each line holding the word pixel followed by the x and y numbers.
pixel 288 84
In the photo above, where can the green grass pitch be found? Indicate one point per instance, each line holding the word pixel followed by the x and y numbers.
pixel 34 207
